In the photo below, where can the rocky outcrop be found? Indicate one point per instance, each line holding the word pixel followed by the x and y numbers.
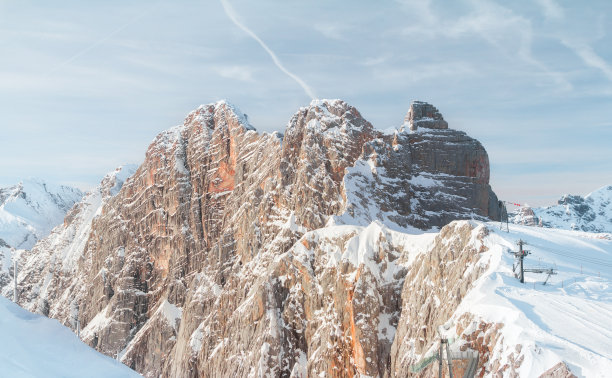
pixel 423 177
pixel 422 114
pixel 234 253
pixel 525 216
pixel 560 370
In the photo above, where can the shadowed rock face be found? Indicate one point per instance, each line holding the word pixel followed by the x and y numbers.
pixel 207 263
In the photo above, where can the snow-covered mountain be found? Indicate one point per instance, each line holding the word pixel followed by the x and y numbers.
pixel 30 210
pixel 234 253
pixel 591 213
pixel 35 346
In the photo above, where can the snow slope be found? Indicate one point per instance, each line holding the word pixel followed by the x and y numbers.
pixel 569 319
pixel 591 213
pixel 30 210
pixel 36 346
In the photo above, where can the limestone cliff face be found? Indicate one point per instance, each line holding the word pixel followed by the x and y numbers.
pixel 234 253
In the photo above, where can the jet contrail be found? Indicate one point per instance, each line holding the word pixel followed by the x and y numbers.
pixel 229 11
pixel 104 39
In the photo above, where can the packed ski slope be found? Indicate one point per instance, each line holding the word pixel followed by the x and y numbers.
pixel 35 346
pixel 569 319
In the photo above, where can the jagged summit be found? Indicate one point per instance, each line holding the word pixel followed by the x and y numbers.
pixel 211 114
pixel 422 114
pixel 323 114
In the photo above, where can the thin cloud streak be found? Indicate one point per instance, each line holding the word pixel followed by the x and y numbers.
pixel 229 11
pixel 102 40
pixel 590 57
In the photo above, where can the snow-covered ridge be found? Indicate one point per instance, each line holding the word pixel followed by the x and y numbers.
pixel 30 210
pixel 592 213
pixel 35 346
pixel 567 320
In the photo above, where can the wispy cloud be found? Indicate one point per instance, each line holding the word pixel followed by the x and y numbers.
pixel 590 57
pixel 229 11
pixel 422 72
pixel 375 61
pixel 332 31
pixel 551 9
pixel 502 28
pixel 104 38
pixel 242 73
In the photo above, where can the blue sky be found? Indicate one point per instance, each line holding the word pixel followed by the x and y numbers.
pixel 85 86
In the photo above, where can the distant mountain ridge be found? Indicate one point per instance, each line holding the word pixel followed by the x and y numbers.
pixel 30 210
pixel 591 213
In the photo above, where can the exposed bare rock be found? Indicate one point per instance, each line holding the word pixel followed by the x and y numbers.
pixel 525 216
pixel 560 370
pixel 425 178
pixel 422 114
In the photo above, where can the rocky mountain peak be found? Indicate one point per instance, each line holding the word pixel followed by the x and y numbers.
pixel 327 115
pixel 215 238
pixel 218 114
pixel 422 114
pixel 328 134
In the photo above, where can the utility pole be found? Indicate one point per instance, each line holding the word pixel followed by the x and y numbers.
pixel 78 325
pixel 503 211
pixel 521 255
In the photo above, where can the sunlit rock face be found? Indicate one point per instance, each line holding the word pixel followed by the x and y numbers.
pixel 234 253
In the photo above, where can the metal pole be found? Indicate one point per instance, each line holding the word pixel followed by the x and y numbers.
pixel 440 360
pixel 450 364
pixel 15 280
pixel 521 256
pixel 506 211
pixel 78 324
